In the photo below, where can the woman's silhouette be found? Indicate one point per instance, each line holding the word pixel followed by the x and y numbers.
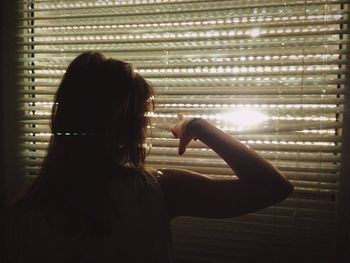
pixel 95 201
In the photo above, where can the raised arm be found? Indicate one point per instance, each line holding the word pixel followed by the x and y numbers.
pixel 192 194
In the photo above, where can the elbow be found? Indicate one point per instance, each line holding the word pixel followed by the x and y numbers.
pixel 290 189
pixel 284 191
pixel 278 191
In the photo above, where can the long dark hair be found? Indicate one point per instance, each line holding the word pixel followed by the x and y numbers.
pixel 99 128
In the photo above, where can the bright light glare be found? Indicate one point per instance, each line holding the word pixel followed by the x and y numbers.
pixel 255 32
pixel 243 118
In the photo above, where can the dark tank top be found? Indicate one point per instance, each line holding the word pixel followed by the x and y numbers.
pixel 140 231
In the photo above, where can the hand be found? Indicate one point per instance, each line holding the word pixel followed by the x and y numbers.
pixel 180 131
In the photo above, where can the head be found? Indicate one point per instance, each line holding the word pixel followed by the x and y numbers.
pixel 103 101
pixel 99 125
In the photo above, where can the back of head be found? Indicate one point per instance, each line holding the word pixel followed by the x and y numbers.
pixel 105 101
pixel 99 126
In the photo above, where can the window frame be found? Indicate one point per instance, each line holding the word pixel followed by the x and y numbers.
pixel 344 190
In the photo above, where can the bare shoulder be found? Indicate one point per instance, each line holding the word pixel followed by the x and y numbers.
pixel 153 171
pixel 170 174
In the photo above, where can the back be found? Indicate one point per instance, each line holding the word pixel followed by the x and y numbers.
pixel 140 230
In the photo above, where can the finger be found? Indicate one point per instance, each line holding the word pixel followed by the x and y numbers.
pixel 183 145
pixel 180 116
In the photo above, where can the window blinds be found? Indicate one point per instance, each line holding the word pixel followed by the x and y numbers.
pixel 271 73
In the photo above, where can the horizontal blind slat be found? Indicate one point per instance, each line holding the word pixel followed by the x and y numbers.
pixel 217 91
pixel 214 64
pixel 148 38
pixel 88 30
pixel 163 55
pixel 59 6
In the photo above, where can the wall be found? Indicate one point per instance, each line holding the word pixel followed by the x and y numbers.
pixel 9 175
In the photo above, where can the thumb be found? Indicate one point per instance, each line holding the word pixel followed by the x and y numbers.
pixel 183 145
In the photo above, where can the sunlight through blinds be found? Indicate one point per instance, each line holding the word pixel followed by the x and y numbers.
pixel 271 73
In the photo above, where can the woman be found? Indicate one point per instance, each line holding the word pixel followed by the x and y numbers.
pixel 94 201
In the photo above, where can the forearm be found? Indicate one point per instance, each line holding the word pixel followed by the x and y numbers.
pixel 247 164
